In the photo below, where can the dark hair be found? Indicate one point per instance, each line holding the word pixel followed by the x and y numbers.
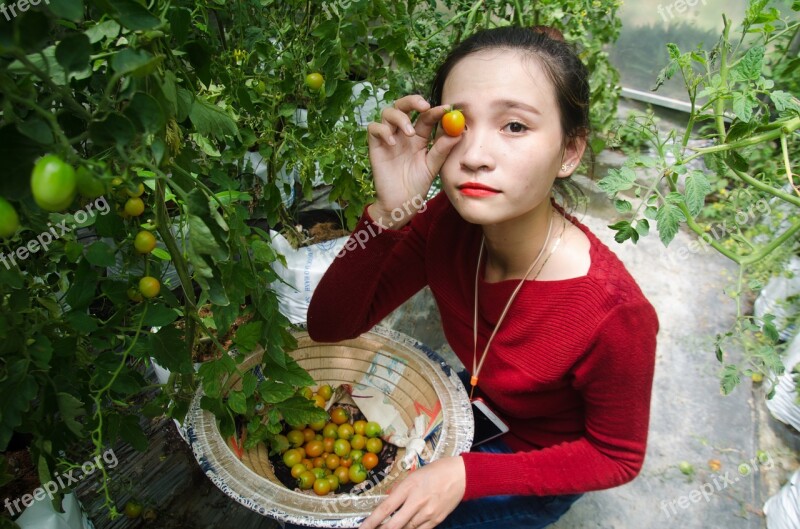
pixel 556 58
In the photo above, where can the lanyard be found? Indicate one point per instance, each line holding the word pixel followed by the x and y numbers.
pixel 477 366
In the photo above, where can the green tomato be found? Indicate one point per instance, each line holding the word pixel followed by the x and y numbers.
pixel 88 185
pixel 9 220
pixel 357 473
pixel 133 509
pixel 53 183
pixel 314 81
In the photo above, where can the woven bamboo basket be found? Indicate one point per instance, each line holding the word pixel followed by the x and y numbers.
pixel 416 381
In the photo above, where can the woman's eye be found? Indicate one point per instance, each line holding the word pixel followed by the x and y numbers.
pixel 516 127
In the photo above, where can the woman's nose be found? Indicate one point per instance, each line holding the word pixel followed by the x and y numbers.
pixel 476 150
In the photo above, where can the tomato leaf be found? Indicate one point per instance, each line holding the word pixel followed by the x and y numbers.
pixel 131 431
pixel 133 15
pixel 83 286
pixel 73 53
pixel 145 112
pixel 159 315
pixel 617 180
pixel 729 378
pixel 784 101
pixel 69 9
pixel 237 402
pixel 697 187
pixel 749 67
pixel 168 347
pixel 100 254
pixel 667 222
pixel 210 120
pixel 248 335
pixel 272 391
pixel 300 410
pixel 70 409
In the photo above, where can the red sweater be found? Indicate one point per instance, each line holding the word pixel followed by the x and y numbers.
pixel 570 369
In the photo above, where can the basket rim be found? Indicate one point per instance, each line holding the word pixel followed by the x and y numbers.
pixel 200 424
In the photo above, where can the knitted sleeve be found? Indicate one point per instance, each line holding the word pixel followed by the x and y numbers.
pixel 378 269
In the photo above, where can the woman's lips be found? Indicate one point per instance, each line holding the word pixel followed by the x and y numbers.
pixel 477 190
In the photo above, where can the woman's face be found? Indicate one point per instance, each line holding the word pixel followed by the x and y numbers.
pixel 511 151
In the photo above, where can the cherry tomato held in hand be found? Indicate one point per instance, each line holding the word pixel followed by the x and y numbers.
pixel 453 123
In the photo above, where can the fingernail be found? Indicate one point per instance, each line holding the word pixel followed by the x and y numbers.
pixel 410 129
pixel 391 141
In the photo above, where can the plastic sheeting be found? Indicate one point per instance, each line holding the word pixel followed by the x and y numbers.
pixel 783 509
pixel 783 405
pixel 303 272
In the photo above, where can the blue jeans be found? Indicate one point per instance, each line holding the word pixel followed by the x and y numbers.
pixel 508 512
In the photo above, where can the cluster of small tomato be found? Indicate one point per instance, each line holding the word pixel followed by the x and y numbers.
pixel 328 454
pixel 54 186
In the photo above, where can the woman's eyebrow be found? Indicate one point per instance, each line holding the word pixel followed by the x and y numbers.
pixel 503 104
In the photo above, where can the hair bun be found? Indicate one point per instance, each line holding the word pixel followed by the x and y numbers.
pixel 550 32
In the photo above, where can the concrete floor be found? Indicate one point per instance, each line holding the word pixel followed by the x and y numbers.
pixel 690 419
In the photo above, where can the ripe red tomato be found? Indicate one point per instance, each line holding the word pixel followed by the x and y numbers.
pixel 369 461
pixel 453 123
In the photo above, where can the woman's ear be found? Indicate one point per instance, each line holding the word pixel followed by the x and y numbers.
pixel 571 157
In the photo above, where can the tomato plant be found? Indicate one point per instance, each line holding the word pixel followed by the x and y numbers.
pixel 190 121
pixel 453 123
pixel 743 108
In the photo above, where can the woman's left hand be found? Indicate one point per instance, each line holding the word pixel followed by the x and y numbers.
pixel 424 498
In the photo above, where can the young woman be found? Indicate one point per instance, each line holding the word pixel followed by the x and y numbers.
pixel 558 338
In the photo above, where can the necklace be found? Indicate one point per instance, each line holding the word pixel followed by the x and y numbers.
pixel 477 366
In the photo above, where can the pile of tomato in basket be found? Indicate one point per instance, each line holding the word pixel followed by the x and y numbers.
pixel 331 455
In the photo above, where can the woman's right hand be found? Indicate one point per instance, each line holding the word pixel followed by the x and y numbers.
pixel 403 168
